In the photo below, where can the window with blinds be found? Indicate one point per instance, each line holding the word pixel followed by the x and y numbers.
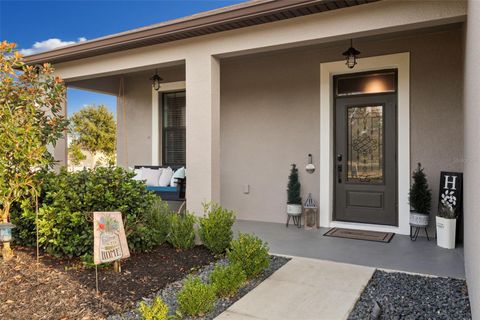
pixel 173 116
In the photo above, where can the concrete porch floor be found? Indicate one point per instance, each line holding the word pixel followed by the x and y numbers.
pixel 401 253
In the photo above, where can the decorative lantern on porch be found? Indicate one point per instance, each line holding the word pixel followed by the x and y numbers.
pixel 6 232
pixel 310 213
pixel 351 56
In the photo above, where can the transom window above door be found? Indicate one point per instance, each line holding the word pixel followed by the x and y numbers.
pixel 363 83
pixel 173 128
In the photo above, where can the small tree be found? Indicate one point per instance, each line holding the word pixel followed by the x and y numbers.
pixel 293 188
pixel 94 130
pixel 31 119
pixel 75 154
pixel 420 196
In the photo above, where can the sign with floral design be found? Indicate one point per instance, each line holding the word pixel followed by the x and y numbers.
pixel 451 191
pixel 110 242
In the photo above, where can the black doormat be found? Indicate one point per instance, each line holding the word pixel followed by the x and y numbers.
pixel 360 234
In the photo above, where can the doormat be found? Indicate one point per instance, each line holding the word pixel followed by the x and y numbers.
pixel 360 234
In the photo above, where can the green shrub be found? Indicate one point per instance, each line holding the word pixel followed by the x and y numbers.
pixel 250 252
pixel 181 234
pixel 157 311
pixel 216 227
pixel 68 199
pixel 196 298
pixel 157 222
pixel 227 279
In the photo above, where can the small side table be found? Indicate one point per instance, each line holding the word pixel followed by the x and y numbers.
pixel 310 217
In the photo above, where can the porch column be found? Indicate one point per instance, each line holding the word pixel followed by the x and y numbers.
pixel 202 130
pixel 60 150
pixel 472 157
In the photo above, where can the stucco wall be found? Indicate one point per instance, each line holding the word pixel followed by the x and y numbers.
pixel 270 116
pixel 135 136
pixel 472 157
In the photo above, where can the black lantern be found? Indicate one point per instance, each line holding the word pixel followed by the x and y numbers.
pixel 351 56
pixel 156 81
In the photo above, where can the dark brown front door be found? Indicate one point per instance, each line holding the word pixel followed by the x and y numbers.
pixel 365 159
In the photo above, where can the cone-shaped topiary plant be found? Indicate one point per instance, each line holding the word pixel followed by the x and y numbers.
pixel 420 196
pixel 293 188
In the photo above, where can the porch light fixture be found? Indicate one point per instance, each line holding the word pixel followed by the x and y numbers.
pixel 351 56
pixel 156 81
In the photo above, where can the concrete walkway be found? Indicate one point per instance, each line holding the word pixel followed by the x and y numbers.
pixel 304 289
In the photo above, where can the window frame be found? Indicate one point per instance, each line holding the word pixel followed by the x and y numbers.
pixel 170 129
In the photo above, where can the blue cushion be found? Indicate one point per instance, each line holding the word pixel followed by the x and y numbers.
pixel 162 189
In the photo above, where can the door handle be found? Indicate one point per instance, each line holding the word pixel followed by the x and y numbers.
pixel 339 173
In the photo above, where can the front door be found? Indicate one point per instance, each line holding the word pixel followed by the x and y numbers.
pixel 365 158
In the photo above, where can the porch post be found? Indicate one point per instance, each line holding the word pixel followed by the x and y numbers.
pixel 60 151
pixel 202 130
pixel 472 157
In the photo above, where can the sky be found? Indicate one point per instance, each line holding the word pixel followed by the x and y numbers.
pixel 38 25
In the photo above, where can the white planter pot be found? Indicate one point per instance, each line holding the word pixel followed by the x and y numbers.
pixel 446 232
pixel 294 209
pixel 419 220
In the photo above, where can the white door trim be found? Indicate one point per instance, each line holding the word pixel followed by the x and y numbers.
pixel 401 62
pixel 156 138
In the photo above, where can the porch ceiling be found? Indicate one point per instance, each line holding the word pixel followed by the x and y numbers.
pixel 233 17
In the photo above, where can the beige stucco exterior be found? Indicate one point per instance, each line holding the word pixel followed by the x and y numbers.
pixel 472 157
pixel 253 102
pixel 270 117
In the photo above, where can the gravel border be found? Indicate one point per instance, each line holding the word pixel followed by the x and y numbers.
pixel 408 296
pixel 169 293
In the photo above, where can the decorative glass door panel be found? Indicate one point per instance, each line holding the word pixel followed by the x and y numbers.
pixel 365 144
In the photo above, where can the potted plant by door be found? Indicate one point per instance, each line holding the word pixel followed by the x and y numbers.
pixel 294 202
pixel 420 199
pixel 446 225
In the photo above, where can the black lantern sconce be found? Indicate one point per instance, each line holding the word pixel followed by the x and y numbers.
pixel 156 81
pixel 351 56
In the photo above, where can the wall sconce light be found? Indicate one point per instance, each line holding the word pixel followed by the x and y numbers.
pixel 156 81
pixel 351 56
pixel 310 168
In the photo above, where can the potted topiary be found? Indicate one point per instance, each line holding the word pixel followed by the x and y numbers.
pixel 294 202
pixel 420 199
pixel 446 225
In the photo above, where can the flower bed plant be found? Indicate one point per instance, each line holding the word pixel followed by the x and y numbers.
pixel 250 252
pixel 181 232
pixel 68 199
pixel 216 227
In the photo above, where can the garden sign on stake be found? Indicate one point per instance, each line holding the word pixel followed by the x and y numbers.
pixel 109 240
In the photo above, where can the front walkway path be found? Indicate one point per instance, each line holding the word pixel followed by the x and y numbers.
pixel 304 289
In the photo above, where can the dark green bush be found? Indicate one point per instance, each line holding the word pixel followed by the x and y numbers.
pixel 68 200
pixel 250 252
pixel 156 224
pixel 216 227
pixel 227 279
pixel 196 298
pixel 181 234
pixel 158 310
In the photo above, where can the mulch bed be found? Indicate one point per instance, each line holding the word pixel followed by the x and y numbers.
pixel 63 289
pixel 409 296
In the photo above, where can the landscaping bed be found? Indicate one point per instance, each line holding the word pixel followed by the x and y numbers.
pixel 168 294
pixel 64 289
pixel 407 296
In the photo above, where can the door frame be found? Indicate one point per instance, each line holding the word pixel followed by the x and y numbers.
pixel 401 62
